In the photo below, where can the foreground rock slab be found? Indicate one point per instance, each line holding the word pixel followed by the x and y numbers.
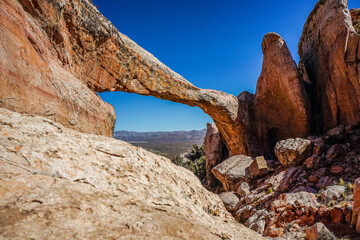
pixel 59 183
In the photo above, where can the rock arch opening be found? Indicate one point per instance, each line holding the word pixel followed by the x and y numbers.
pixel 148 114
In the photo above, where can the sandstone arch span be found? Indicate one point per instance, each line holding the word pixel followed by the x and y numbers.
pixel 72 40
pixel 54 56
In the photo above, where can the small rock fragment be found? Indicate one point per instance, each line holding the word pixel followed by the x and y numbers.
pixel 243 190
pixel 230 200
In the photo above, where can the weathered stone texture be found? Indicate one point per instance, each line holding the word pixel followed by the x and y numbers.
pixel 292 152
pixel 34 81
pixel 329 55
pixel 48 48
pixel 214 151
pixel 59 183
pixel 281 105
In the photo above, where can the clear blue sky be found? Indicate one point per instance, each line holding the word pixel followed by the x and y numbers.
pixel 213 44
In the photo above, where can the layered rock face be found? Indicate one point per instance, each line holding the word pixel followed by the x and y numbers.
pixel 329 59
pixel 246 117
pixel 59 183
pixel 281 106
pixel 34 80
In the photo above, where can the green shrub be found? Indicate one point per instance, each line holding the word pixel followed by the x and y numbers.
pixel 197 163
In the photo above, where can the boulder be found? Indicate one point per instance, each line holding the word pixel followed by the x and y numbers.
pixel 214 151
pixel 318 231
pixel 325 181
pixel 282 109
pixel 57 183
pixel 312 161
pixel 296 199
pixel 232 171
pixel 315 176
pixel 258 167
pixel 230 200
pixel 332 193
pixel 282 180
pixel 274 232
pixel 257 221
pixel 328 51
pixel 243 213
pixel 337 215
pixel 292 152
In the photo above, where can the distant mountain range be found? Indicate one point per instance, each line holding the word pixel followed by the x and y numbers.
pixel 196 136
pixel 168 144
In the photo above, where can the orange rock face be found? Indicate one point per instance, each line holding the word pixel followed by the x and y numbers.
pixel 329 57
pixel 281 106
pixel 33 78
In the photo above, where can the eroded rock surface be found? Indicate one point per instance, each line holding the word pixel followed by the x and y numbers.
pixel 292 152
pixel 329 55
pixel 34 80
pixel 286 201
pixel 232 171
pixel 215 150
pixel 59 183
pixel 355 17
pixel 258 167
pixel 319 231
pixel 246 117
pixel 53 53
pixel 281 105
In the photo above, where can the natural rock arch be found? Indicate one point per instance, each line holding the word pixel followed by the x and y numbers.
pixel 56 54
pixel 73 38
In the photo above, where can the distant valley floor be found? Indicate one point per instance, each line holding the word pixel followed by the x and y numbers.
pixel 168 144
